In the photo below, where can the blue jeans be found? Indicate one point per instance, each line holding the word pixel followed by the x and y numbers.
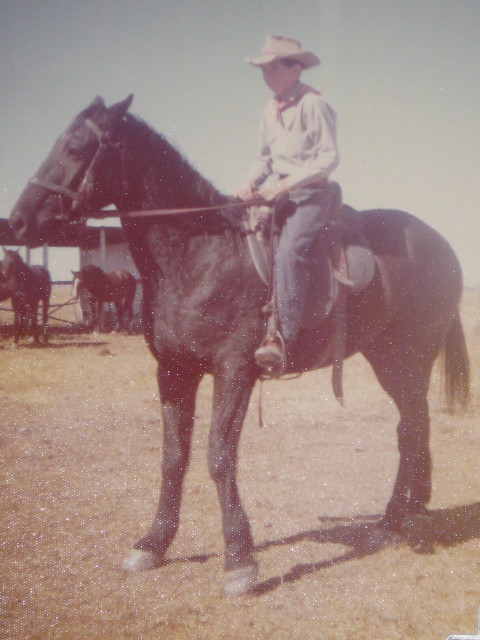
pixel 293 259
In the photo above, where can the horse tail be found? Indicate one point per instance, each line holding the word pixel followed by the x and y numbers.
pixel 456 366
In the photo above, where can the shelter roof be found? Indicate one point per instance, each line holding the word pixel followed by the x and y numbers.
pixel 90 238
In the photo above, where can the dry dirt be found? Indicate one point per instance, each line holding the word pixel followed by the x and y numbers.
pixel 80 453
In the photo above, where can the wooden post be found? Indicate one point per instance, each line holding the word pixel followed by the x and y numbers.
pixel 103 248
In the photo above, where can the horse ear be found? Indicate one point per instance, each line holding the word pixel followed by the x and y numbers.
pixel 97 102
pixel 120 109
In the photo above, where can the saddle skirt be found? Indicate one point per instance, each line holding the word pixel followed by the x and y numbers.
pixel 341 257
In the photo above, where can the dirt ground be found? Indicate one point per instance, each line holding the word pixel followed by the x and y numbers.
pixel 80 451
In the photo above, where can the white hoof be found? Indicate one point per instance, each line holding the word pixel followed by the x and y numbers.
pixel 239 581
pixel 138 560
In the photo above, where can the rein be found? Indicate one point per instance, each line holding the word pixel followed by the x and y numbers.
pixel 143 213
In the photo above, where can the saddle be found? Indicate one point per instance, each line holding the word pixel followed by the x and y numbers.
pixel 343 265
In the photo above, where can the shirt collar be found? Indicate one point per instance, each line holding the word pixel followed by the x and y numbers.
pixel 291 94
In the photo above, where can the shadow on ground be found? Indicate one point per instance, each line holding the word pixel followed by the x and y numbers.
pixel 363 536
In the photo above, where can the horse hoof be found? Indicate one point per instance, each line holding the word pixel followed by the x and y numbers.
pixel 239 581
pixel 138 560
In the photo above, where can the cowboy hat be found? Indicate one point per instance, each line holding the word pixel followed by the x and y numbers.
pixel 276 47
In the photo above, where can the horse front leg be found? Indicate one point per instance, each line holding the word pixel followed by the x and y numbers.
pixel 232 390
pixel 20 319
pixel 178 386
pixel 97 315
pixel 34 331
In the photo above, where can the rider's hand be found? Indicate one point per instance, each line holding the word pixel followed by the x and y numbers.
pixel 247 192
pixel 274 190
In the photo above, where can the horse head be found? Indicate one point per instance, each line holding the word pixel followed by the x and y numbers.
pixel 12 263
pixel 67 185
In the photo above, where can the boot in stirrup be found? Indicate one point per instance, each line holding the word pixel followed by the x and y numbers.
pixel 270 356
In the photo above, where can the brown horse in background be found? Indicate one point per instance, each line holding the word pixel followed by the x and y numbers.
pixel 5 289
pixel 118 286
pixel 28 287
pixel 202 312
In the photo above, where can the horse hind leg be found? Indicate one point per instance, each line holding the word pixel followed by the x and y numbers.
pixel 412 489
pixel 122 317
pixel 128 311
pixel 406 380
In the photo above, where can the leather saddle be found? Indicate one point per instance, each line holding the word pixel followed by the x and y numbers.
pixel 341 255
pixel 342 265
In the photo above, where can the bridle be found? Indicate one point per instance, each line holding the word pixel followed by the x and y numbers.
pixel 79 195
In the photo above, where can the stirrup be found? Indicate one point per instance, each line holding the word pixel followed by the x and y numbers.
pixel 270 356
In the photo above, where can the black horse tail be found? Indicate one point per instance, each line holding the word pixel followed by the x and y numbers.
pixel 456 367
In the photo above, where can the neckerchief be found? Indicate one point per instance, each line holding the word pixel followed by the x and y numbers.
pixel 285 103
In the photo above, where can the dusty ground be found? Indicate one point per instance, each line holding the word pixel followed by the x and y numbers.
pixel 80 451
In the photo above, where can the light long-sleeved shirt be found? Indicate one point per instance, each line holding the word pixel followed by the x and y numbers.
pixel 300 142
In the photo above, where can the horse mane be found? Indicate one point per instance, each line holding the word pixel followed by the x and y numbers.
pixel 170 181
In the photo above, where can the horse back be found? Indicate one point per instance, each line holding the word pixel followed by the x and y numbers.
pixel 121 281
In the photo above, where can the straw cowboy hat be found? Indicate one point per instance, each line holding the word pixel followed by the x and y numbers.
pixel 276 47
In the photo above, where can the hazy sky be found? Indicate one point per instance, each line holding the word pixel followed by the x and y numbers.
pixel 403 77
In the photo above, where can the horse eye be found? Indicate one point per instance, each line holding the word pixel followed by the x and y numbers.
pixel 76 153
pixel 77 148
pixel 77 143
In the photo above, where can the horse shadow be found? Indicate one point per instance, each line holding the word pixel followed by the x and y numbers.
pixel 363 537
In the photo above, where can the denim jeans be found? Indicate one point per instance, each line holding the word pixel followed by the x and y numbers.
pixel 294 256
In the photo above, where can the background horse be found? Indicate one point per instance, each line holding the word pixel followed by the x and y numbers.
pixel 29 286
pixel 202 312
pixel 118 286
pixel 5 290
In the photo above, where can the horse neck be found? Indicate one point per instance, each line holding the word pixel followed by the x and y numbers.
pixel 159 178
pixel 97 284
pixel 156 174
pixel 20 275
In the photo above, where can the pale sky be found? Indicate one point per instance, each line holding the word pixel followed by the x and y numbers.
pixel 403 77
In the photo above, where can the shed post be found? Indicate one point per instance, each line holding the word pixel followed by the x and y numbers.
pixel 103 249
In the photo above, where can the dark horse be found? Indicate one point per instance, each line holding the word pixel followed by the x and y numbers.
pixel 5 289
pixel 118 286
pixel 202 311
pixel 29 286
